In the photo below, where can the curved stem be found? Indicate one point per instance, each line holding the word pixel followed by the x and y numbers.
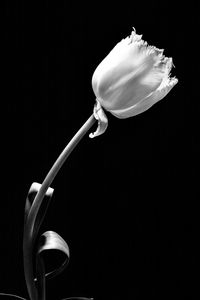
pixel 29 237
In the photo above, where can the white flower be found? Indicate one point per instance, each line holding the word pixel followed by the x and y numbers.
pixel 132 77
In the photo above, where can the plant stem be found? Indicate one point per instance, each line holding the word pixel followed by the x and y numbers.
pixel 29 228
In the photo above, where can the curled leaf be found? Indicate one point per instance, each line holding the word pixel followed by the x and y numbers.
pixel 49 240
pixel 31 228
pixel 34 189
pixel 100 116
pixel 11 296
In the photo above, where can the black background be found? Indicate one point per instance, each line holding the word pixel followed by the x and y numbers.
pixel 126 202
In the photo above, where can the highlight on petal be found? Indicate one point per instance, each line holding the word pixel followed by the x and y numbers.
pixel 129 74
pixel 146 103
pixel 100 116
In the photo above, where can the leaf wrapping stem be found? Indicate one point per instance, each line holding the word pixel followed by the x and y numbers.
pixel 30 230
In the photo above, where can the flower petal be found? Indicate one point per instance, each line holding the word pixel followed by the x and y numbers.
pixel 146 103
pixel 130 72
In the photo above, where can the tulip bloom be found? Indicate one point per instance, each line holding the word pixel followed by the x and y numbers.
pixel 132 77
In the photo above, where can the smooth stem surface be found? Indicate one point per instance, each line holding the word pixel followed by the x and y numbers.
pixel 29 228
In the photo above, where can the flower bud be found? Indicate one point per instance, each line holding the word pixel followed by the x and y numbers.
pixel 132 77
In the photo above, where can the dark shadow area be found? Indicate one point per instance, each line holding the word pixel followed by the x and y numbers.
pixel 126 202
